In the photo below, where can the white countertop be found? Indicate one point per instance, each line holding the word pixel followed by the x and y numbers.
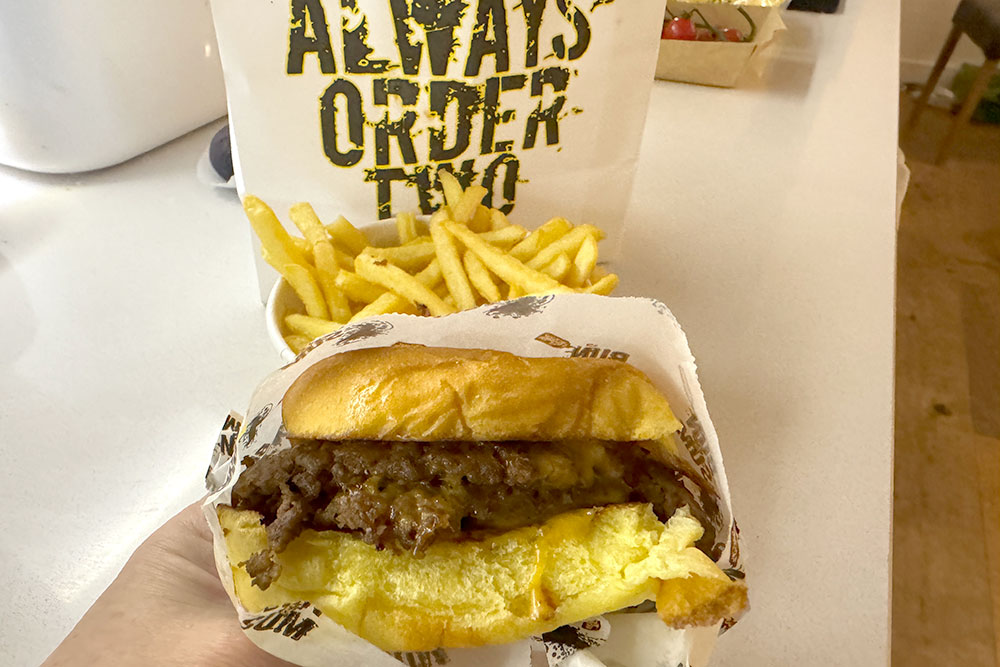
pixel 763 216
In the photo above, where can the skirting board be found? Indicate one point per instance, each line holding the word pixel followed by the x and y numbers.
pixel 912 71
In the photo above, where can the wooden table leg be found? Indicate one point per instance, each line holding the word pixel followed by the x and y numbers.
pixel 932 82
pixel 968 107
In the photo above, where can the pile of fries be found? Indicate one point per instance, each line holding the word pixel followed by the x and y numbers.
pixel 467 256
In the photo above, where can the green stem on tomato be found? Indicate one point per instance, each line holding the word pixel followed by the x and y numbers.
pixel 684 15
pixel 753 26
pixel 718 35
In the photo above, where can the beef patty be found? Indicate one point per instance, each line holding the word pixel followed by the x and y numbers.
pixel 407 495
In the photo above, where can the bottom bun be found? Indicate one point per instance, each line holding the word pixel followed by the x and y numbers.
pixel 499 589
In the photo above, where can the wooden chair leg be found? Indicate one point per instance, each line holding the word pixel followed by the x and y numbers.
pixel 932 82
pixel 968 107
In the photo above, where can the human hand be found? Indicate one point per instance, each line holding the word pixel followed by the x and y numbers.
pixel 167 607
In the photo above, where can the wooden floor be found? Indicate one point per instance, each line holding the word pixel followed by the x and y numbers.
pixel 946 561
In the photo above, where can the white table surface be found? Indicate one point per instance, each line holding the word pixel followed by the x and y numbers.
pixel 763 216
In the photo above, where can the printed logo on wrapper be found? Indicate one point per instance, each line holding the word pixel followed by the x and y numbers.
pixel 359 331
pixel 256 446
pixel 557 329
pixel 563 642
pixel 734 549
pixel 553 340
pixel 588 351
pixel 250 432
pixel 694 439
pixel 523 307
pixel 291 620
pixel 220 468
pixel 348 334
pixel 423 658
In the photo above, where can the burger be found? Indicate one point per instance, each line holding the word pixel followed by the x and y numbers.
pixel 434 497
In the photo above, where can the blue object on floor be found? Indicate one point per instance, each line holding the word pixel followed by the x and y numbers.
pixel 220 153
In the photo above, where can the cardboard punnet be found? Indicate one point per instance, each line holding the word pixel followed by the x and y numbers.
pixel 719 63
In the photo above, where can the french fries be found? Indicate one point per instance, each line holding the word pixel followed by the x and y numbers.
pixel 325 259
pixel 504 237
pixel 513 272
pixel 480 277
pixel 357 288
pixel 466 207
pixel 297 342
pixel 409 257
pixel 540 238
pixel 418 252
pixel 451 267
pixel 603 286
pixel 273 237
pixel 569 243
pixel 558 267
pixel 481 220
pixel 347 235
pixel 310 327
pixel 466 255
pixel 498 220
pixel 584 263
pixel 302 281
pixel 385 304
pixel 398 281
pixel 407 228
pixel 451 188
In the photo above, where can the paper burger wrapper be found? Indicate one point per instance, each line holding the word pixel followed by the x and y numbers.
pixel 638 331
pixel 355 106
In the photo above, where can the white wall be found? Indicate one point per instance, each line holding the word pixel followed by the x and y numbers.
pixel 925 26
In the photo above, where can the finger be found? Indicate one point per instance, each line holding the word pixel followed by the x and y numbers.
pixel 193 517
pixel 186 537
pixel 192 521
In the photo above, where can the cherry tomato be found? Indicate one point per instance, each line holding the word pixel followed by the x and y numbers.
pixel 679 28
pixel 733 35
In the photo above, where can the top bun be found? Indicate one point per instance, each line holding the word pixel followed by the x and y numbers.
pixel 412 392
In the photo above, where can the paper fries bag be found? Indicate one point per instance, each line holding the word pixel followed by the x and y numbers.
pixel 641 332
pixel 354 106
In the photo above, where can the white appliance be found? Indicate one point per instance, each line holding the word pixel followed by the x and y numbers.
pixel 88 84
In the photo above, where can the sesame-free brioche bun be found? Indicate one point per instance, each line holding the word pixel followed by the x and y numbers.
pixel 520 583
pixel 412 392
